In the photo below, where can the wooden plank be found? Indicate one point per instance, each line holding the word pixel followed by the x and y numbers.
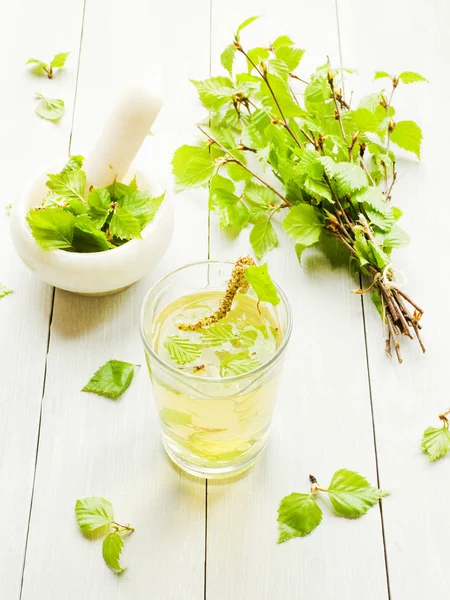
pixel 409 397
pixel 324 420
pixel 27 29
pixel 91 446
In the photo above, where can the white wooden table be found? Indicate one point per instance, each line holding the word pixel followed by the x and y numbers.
pixel 342 403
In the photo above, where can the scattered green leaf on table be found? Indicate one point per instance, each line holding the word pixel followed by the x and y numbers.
pixel 436 441
pixel 112 379
pixel 298 515
pixel 182 350
pixel 41 67
pixel 4 291
pixel 59 60
pixel 93 513
pixel 259 279
pixel 351 494
pixel 111 550
pixel 51 109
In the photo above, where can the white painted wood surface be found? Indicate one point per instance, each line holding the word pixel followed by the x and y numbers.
pixel 89 445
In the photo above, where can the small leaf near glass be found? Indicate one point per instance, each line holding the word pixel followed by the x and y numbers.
pixel 96 514
pixel 112 379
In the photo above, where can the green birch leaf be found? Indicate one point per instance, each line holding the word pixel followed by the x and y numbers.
pixel 381 75
pixel 111 551
pixel 364 119
pixel 217 334
pixel 278 67
pixel 256 55
pixel 259 279
pixel 396 238
pixel 380 259
pixel 169 416
pixel 227 58
pixel 214 92
pixel 436 442
pixel 282 40
pixel 289 55
pixel 99 203
pixel 376 299
pixel 39 66
pixel 4 291
pixel 317 189
pixel 283 95
pixel 370 102
pixel 349 178
pixel 74 163
pixel 303 225
pixel 299 249
pixel 70 184
pixel 230 209
pixel 362 248
pixel 111 380
pixel 182 350
pixel 258 198
pixel 51 109
pixel 52 228
pixel 87 238
pixel 59 60
pixel 237 363
pixel 310 163
pixel 411 77
pixel 117 190
pixel 153 207
pixel 124 225
pixel 193 166
pixel 141 206
pixel 93 513
pixel 245 24
pixel 351 494
pixel 407 135
pixel 263 238
pixel 298 515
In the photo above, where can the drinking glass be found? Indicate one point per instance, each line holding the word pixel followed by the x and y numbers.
pixel 212 427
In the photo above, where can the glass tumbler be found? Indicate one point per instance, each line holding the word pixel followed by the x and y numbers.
pixel 212 427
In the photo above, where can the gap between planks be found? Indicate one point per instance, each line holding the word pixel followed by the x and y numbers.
pixel 52 305
pixel 366 347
